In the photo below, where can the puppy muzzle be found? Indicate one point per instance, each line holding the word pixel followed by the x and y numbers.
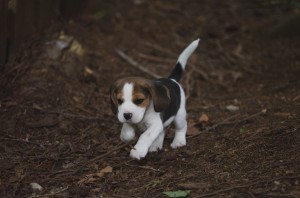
pixel 127 116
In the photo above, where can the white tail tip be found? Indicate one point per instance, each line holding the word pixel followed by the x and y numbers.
pixel 183 57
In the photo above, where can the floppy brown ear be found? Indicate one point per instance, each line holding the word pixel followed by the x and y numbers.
pixel 113 99
pixel 160 96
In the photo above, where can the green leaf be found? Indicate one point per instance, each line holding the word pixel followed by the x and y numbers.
pixel 242 130
pixel 178 193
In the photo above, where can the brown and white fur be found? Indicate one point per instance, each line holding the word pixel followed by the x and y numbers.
pixel 151 106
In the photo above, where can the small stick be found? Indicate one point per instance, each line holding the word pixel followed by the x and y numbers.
pixel 135 64
pixel 227 122
pixel 145 167
pixel 37 107
pixel 157 59
pixel 26 142
pixel 159 48
pixel 120 146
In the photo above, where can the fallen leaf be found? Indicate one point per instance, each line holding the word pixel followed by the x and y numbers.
pixel 36 186
pixel 264 111
pixel 192 129
pixel 203 118
pixel 76 48
pixel 107 169
pixel 179 193
pixel 242 130
pixel 232 108
pixel 89 178
pixel 88 71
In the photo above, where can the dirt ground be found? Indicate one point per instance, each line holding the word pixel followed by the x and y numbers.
pixel 242 84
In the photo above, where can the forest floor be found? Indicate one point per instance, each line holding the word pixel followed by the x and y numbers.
pixel 243 101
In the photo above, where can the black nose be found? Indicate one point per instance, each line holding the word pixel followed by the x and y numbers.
pixel 127 116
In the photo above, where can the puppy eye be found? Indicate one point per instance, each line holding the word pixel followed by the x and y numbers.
pixel 120 101
pixel 138 101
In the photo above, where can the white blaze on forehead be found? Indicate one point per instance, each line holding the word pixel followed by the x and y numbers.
pixel 128 105
pixel 127 91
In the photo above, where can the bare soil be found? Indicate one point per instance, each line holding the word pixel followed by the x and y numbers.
pixel 57 129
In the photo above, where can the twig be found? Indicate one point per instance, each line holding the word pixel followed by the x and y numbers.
pixel 227 122
pixel 244 119
pixel 145 167
pixel 157 59
pixel 37 107
pixel 205 77
pixel 135 64
pixel 25 141
pixel 245 186
pixel 159 48
pixel 232 61
pixel 120 146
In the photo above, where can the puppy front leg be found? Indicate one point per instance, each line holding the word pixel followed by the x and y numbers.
pixel 141 148
pixel 127 133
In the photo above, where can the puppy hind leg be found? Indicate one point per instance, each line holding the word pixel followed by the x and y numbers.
pixel 158 143
pixel 180 130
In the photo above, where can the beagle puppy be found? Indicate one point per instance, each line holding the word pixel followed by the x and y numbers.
pixel 150 106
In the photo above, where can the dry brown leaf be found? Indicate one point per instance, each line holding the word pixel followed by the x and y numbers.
pixel 89 178
pixel 107 169
pixel 203 118
pixel 100 174
pixel 192 130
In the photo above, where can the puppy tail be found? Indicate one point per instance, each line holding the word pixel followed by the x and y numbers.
pixel 182 59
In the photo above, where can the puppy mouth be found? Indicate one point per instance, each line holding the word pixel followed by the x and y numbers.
pixel 131 121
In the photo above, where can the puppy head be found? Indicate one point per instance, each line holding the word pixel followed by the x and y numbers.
pixel 131 97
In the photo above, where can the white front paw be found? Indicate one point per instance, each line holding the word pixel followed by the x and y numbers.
pixel 178 143
pixel 138 153
pixel 127 136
